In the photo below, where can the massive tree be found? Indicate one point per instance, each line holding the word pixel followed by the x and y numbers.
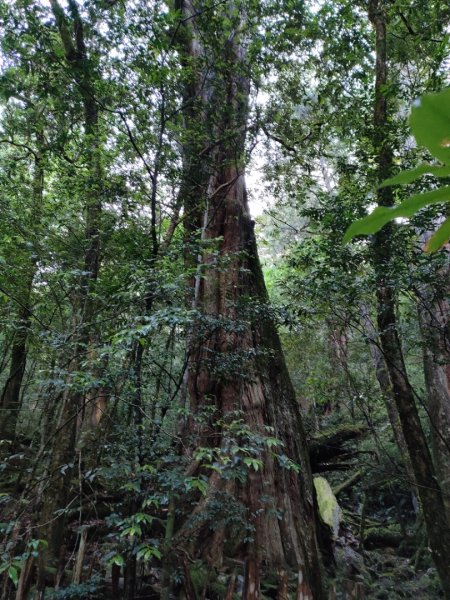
pixel 236 365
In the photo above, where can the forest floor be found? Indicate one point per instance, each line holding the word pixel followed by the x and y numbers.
pixel 380 550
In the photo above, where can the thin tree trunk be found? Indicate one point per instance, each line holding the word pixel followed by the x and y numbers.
pixel 434 320
pixel 236 366
pixel 11 394
pixel 384 381
pixel 10 399
pixel 430 493
pixel 68 424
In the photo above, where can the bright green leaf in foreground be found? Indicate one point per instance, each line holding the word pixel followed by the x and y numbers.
pixel 439 238
pixel 430 124
pixel 412 174
pixel 383 214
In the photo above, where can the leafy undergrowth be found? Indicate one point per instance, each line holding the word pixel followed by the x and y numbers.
pixel 379 546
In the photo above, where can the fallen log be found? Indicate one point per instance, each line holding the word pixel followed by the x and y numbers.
pixel 382 537
pixel 348 483
pixel 327 446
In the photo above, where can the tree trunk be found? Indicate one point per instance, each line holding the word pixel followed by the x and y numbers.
pixel 10 398
pixel 236 368
pixel 430 493
pixel 434 321
pixel 74 401
pixel 384 381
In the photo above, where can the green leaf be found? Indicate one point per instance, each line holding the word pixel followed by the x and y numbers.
pixel 430 124
pixel 145 553
pixel 13 574
pixel 414 203
pixel 118 560
pixel 439 237
pixel 142 518
pixel 370 224
pixel 413 174
pixel 273 442
pixel 197 484
pixel 286 463
pixel 382 214
pixel 131 531
pixel 253 463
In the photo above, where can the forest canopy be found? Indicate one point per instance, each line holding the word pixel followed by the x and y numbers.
pixel 204 392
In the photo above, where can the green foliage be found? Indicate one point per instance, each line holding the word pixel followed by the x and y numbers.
pixel 409 207
pixel 430 124
pixel 13 564
pixel 243 451
pixel 125 341
pixel 91 589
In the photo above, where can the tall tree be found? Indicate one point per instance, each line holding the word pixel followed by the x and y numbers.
pixel 430 493
pixel 236 365
pixel 434 321
pixel 74 402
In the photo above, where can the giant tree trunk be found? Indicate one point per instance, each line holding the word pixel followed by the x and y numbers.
pixel 236 366
pixel 438 529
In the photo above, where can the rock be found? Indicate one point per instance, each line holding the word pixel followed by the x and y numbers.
pixel 351 563
pixel 329 508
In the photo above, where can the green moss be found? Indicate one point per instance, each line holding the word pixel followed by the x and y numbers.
pixel 380 537
pixel 329 508
pixel 199 576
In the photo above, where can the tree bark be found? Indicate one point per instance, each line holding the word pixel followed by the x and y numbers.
pixel 236 366
pixel 430 493
pixel 434 314
pixel 10 399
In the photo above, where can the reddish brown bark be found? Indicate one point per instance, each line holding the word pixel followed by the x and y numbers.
pixel 251 582
pixel 236 362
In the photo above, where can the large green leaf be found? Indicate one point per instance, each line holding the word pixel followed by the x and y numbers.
pixel 382 214
pixel 370 224
pixel 439 237
pixel 430 124
pixel 411 175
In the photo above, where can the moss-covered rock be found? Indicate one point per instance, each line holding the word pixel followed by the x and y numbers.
pixel 329 508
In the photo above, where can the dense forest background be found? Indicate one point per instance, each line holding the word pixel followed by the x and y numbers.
pixel 179 417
